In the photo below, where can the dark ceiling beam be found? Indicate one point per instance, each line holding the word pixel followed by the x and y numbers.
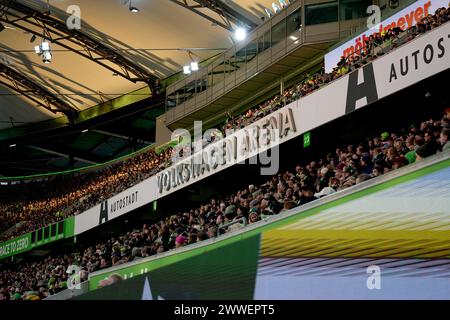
pixel 126 129
pixel 112 120
pixel 125 147
pixel 230 15
pixel 34 92
pixel 76 154
pixel 20 170
pixel 116 135
pixel 43 24
pixel 25 158
pixel 26 165
pixel 117 122
pixel 93 150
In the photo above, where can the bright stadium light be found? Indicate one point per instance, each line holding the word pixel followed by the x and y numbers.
pixel 133 8
pixel 240 34
pixel 275 7
pixel 47 57
pixel 45 46
pixel 283 3
pixel 186 69
pixel 44 50
pixel 194 66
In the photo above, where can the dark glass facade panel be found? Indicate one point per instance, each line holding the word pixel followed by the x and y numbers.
pixel 278 32
pixel 267 40
pixel 251 50
pixel 294 22
pixel 353 9
pixel 40 234
pixel 46 232
pixel 53 230
pixel 321 13
pixel 61 227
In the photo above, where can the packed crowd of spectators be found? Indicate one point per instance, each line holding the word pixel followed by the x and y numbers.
pixel 38 203
pixel 333 172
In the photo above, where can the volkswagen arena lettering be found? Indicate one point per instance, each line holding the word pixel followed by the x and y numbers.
pixel 403 19
pixel 230 150
pixel 420 58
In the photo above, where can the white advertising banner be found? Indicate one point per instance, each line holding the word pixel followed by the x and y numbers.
pixel 124 202
pixel 427 55
pixel 417 60
pixel 403 19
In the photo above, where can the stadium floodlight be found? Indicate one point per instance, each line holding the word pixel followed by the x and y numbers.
pixel 240 34
pixel 44 50
pixel 194 66
pixel 133 8
pixel 283 3
pixel 47 57
pixel 45 46
pixel 275 7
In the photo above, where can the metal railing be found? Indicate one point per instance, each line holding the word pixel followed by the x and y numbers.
pixel 242 221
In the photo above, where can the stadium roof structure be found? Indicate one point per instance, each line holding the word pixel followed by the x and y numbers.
pixel 106 77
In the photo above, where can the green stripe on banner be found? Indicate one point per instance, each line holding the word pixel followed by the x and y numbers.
pixel 69 227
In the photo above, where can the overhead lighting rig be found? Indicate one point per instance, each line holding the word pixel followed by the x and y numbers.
pixel 44 50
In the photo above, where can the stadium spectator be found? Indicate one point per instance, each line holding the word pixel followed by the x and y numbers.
pixel 443 139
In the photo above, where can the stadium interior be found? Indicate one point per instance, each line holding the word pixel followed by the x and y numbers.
pixel 101 196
